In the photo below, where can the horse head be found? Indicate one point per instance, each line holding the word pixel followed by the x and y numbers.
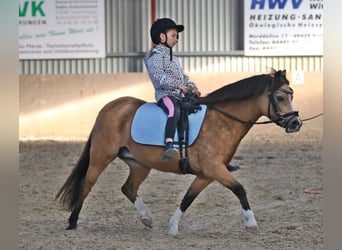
pixel 280 97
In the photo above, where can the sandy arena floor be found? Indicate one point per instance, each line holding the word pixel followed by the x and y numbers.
pixel 276 169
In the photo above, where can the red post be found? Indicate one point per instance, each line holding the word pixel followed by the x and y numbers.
pixel 153 14
pixel 153 11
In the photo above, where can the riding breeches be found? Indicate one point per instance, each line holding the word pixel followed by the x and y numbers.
pixel 172 108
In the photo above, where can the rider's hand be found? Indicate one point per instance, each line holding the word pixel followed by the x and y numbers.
pixel 196 92
pixel 183 88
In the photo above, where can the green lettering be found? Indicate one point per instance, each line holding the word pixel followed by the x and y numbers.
pixel 22 12
pixel 37 8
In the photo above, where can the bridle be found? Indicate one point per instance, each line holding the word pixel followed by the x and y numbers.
pixel 282 119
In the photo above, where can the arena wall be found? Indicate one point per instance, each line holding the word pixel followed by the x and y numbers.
pixel 65 106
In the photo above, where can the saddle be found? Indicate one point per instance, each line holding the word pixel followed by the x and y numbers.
pixel 148 127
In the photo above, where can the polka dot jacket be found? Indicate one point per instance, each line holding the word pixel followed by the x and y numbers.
pixel 165 74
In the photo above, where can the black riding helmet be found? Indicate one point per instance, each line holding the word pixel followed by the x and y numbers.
pixel 161 25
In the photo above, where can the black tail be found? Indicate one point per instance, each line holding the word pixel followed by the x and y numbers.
pixel 71 191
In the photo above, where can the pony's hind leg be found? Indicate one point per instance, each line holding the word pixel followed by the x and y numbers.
pixel 137 175
pixel 74 216
pixel 99 160
pixel 195 188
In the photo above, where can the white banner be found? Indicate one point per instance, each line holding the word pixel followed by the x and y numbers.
pixel 53 29
pixel 283 27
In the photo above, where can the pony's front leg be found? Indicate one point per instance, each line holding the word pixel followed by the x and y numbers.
pixel 195 188
pixel 225 178
pixel 248 215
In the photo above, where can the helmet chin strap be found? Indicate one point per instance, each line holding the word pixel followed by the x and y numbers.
pixel 165 43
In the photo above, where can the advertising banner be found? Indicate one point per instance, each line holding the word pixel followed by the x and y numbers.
pixel 283 27
pixel 56 29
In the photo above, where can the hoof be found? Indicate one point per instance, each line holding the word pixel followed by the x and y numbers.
pixel 147 222
pixel 173 232
pixel 253 229
pixel 173 227
pixel 71 227
pixel 173 222
pixel 250 222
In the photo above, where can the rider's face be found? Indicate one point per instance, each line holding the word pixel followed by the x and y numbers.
pixel 172 37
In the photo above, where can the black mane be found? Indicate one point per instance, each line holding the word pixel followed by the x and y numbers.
pixel 245 88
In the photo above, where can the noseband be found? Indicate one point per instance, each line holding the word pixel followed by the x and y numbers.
pixel 281 121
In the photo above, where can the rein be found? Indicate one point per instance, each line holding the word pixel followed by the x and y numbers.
pixel 313 117
pixel 250 122
pixel 272 103
pixel 235 118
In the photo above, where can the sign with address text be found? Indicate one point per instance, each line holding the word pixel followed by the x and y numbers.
pixel 283 27
pixel 56 29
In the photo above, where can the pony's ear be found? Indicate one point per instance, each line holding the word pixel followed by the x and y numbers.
pixel 279 73
pixel 271 71
pixel 275 73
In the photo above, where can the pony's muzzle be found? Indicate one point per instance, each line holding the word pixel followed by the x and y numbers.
pixel 293 124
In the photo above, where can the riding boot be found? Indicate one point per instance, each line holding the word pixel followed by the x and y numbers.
pixel 233 168
pixel 169 152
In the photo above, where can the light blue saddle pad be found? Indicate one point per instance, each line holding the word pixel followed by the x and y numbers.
pixel 148 126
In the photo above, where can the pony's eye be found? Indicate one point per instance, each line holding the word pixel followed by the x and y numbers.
pixel 280 98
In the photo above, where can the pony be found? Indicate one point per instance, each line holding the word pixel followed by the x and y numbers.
pixel 231 112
